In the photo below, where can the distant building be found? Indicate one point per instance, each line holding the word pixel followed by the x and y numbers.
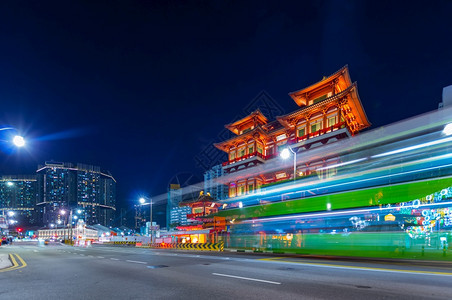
pixel 216 190
pixel 83 189
pixel 174 198
pixel 178 216
pixel 18 193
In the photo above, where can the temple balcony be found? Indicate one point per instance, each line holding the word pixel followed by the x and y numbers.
pixel 322 136
pixel 247 159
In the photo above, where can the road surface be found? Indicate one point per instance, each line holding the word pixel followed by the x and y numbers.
pixel 102 272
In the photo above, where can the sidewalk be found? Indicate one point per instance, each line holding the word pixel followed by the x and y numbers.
pixel 4 261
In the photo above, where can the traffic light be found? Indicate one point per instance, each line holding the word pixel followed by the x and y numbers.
pixel 18 229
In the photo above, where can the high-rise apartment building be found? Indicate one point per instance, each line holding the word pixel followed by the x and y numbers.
pixel 217 191
pixel 83 189
pixel 18 195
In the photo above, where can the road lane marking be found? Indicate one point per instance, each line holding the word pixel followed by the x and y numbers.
pixel 114 258
pixel 137 262
pixel 16 265
pixel 100 257
pixel 246 278
pixel 90 256
pixel 277 260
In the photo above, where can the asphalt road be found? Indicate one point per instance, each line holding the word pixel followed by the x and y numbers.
pixel 63 272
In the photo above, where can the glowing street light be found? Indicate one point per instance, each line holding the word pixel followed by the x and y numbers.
pixel 19 141
pixel 9 183
pixel 285 154
pixel 11 213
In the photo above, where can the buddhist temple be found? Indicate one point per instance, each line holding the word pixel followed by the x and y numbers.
pixel 329 110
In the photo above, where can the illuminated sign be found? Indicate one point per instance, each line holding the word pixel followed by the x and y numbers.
pixel 389 217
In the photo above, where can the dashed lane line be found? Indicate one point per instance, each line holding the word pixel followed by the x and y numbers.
pixel 137 262
pixel 246 278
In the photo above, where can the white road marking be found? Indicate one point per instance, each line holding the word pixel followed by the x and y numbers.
pixel 137 262
pixel 90 256
pixel 246 278
pixel 100 257
pixel 35 251
pixel 114 258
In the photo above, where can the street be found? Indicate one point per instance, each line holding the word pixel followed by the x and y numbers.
pixel 102 272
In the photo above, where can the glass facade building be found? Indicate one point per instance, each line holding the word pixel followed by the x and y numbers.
pixel 83 189
pixel 18 193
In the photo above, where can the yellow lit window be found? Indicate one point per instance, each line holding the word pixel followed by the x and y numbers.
pixel 241 190
pixel 241 152
pixel 232 191
pixel 250 149
pixel 231 155
pixel 301 131
pixel 331 121
pixel 260 149
pixel 316 126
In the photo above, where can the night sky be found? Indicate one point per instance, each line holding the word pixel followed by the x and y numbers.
pixel 143 88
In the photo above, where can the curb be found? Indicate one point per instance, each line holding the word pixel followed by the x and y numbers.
pixel 5 262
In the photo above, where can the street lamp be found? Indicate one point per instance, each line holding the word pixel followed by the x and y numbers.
pixel 285 154
pixel 19 141
pixel 142 201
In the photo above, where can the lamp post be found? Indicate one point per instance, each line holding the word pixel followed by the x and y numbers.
pixel 285 154
pixel 143 202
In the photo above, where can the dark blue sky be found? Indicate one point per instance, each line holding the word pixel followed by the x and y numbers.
pixel 142 88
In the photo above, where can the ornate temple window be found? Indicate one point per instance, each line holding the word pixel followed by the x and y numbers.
pixel 232 155
pixel 316 125
pixel 232 191
pixel 260 149
pixel 241 189
pixel 241 152
pixel 251 149
pixel 301 130
pixel 318 99
pixel 250 187
pixel 332 120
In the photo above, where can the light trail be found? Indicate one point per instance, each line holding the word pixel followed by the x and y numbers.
pixel 340 213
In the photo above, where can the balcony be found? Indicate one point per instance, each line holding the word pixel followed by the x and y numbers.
pixel 255 154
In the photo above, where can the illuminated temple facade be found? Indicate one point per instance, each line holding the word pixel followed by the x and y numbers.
pixel 329 110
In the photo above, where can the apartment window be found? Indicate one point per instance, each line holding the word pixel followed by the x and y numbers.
pixel 301 131
pixel 316 126
pixel 331 121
